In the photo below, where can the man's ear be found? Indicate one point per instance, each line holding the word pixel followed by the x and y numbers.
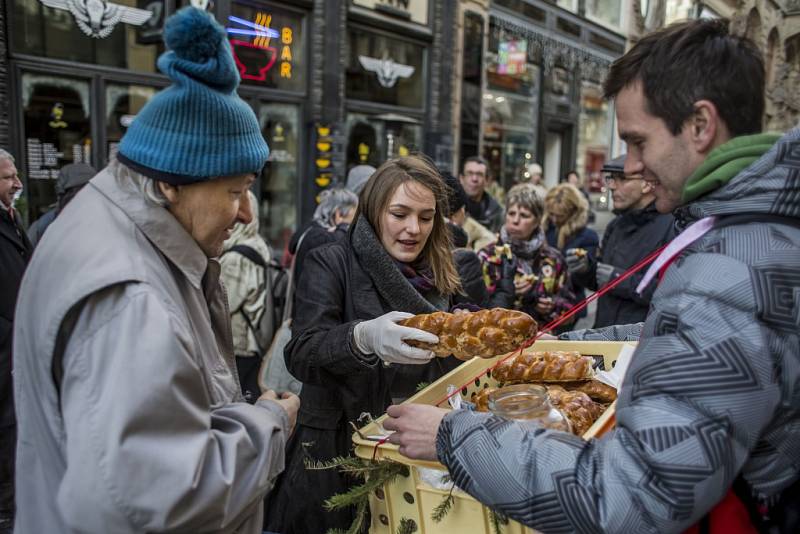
pixel 172 192
pixel 647 187
pixel 706 128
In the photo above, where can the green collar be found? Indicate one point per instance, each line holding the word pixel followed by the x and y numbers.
pixel 725 162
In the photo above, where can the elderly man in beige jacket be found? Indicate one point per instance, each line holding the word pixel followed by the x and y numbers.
pixel 130 414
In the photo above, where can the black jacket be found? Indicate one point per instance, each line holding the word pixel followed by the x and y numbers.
pixel 342 284
pixel 315 236
pixel 15 252
pixel 487 212
pixel 628 238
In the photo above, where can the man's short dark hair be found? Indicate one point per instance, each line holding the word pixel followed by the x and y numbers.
pixel 690 61
pixel 475 159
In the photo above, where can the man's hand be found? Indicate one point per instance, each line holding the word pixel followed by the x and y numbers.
pixel 605 273
pixel 288 401
pixel 415 426
pixel 577 261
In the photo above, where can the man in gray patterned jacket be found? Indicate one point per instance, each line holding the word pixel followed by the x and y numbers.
pixel 708 418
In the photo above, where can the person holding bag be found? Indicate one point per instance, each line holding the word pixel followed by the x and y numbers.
pixel 346 345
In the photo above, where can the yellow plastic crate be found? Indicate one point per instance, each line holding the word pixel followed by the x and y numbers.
pixel 408 497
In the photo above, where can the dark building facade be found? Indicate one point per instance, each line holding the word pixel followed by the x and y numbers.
pixel 333 83
pixel 530 87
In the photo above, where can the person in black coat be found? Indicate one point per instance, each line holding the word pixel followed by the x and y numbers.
pixel 346 347
pixel 636 231
pixel 15 252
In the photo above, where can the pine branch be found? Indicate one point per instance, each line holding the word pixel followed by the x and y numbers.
pixel 443 508
pixel 422 385
pixel 497 519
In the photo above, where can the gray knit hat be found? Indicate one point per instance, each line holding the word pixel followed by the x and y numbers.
pixel 358 176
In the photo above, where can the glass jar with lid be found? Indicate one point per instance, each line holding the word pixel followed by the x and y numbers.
pixel 529 404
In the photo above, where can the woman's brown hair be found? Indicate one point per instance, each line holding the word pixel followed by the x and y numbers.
pixel 374 201
pixel 565 198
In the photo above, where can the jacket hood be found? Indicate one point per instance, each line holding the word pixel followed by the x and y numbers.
pixel 771 185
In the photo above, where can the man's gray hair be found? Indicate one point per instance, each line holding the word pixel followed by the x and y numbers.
pixel 146 186
pixel 334 199
pixel 5 154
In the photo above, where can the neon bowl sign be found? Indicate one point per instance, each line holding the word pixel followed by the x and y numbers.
pixel 253 61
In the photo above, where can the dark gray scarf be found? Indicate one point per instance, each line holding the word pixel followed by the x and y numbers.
pixel 392 286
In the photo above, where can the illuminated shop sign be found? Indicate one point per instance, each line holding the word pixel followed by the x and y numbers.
pixel 97 18
pixel 258 47
pixel 512 57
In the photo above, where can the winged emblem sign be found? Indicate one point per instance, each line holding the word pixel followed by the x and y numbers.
pixel 386 69
pixel 97 18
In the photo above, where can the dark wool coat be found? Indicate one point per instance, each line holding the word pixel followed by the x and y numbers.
pixel 628 238
pixel 342 284
pixel 15 251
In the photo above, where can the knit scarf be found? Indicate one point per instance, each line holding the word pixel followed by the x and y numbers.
pixel 526 250
pixel 418 274
pixel 725 162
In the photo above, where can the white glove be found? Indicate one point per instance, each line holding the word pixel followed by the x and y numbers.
pixel 576 262
pixel 385 338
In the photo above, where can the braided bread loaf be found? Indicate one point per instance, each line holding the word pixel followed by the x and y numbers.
pixel 596 390
pixel 544 366
pixel 581 411
pixel 483 333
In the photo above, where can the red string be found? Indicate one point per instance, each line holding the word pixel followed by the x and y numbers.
pixel 562 318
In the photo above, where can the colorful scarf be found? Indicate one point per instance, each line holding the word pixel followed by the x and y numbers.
pixel 526 250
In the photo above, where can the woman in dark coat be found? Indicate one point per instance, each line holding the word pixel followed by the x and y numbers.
pixel 345 346
pixel 528 274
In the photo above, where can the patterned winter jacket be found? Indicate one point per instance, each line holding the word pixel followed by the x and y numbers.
pixel 712 393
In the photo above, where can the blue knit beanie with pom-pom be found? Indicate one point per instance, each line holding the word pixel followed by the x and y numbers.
pixel 198 128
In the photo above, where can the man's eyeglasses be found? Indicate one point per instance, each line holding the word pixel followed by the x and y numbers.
pixel 620 178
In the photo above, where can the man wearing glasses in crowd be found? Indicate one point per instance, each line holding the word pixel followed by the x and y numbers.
pixel 636 231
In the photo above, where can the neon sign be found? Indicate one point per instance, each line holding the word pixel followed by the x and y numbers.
pixel 252 50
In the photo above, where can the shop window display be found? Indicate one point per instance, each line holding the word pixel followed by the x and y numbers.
pixel 278 183
pixel 510 106
pixel 48 28
pixel 57 131
pixel 372 139
pixel 123 102
pixel 594 136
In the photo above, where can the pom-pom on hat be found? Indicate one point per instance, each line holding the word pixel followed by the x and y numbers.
pixel 198 128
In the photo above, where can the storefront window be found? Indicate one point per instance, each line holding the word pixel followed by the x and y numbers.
pixel 123 102
pixel 127 34
pixel 594 136
pixel 605 11
pixel 372 139
pixel 510 106
pixel 384 70
pixel 56 131
pixel 280 125
pixel 268 46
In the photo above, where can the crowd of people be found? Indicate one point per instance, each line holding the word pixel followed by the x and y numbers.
pixel 139 399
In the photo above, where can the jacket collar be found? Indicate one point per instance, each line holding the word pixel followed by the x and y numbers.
pixel 160 227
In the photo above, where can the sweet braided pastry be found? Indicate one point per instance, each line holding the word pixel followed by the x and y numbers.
pixel 483 333
pixel 581 411
pixel 544 366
